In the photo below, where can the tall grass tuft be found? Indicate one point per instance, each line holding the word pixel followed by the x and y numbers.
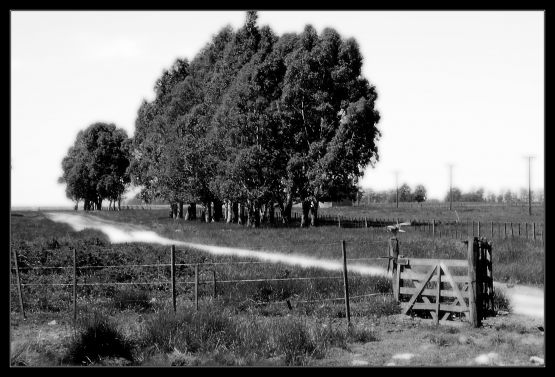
pixel 98 338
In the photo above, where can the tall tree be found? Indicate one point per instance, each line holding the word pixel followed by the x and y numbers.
pixel 332 121
pixel 420 193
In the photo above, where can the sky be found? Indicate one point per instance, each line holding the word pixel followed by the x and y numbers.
pixel 454 87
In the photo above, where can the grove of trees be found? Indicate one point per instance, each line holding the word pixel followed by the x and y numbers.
pixel 406 194
pixel 96 166
pixel 257 121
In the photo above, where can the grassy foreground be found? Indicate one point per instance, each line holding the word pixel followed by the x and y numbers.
pixel 245 324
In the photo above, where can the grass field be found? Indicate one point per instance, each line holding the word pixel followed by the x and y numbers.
pixel 246 324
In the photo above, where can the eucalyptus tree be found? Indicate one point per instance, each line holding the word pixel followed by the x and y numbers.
pixel 331 120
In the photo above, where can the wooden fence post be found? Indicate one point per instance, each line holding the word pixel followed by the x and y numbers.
pixel 492 230
pixel 173 276
pixel 346 283
pixel 433 228
pixel 366 222
pixel 20 295
pixel 214 282
pixel 74 286
pixel 519 229
pixel 526 229
pixel 534 230
pixel 393 254
pixel 338 221
pixel 512 231
pixel 472 259
pixel 196 286
pixel 505 230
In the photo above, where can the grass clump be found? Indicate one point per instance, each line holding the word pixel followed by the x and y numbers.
pixel 134 299
pixel 294 342
pixel 98 339
pixel 190 331
pixel 501 301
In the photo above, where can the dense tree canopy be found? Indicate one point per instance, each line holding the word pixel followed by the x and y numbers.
pixel 96 166
pixel 257 121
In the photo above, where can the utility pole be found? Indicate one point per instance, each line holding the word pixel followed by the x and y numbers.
pixel 529 186
pixel 450 187
pixel 397 187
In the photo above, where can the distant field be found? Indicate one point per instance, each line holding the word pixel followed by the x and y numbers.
pixel 412 211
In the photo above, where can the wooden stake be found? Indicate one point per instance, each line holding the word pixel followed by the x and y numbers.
pixel 173 277
pixel 534 230
pixel 20 295
pixel 74 287
pixel 196 286
pixel 346 283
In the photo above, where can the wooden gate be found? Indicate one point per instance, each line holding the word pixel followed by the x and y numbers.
pixel 447 288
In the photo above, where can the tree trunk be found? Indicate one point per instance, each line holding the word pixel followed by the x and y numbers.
pixel 228 212
pixel 240 210
pixel 174 210
pixel 304 216
pixel 171 211
pixel 253 214
pixel 207 212
pixel 234 212
pixel 314 213
pixel 286 210
pixel 217 210
pixel 119 203
pixel 180 210
pixel 191 212
pixel 99 205
pixel 271 212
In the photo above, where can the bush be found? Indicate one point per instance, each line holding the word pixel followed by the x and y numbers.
pixel 98 338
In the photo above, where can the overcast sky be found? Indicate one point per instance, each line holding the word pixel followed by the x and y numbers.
pixel 465 88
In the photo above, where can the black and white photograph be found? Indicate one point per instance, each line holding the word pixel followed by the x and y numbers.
pixel 261 188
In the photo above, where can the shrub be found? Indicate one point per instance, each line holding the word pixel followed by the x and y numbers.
pixel 98 338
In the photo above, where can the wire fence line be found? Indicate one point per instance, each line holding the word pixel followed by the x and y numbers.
pixel 79 281
pixel 183 282
pixel 165 264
